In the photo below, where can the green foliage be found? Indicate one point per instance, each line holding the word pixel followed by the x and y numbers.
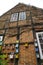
pixel 3 56
pixel 3 62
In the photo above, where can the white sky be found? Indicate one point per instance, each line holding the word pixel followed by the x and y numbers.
pixel 5 5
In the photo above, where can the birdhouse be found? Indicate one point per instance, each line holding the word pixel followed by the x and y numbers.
pixel 35 43
pixel 11 56
pixel 16 56
pixel 37 55
pixel 17 50
pixel 26 44
pixel 17 45
pixel 36 49
pixel 17 41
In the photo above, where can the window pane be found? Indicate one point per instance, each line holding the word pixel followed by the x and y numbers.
pixel 40 38
pixel 14 17
pixel 42 46
pixel 22 16
pixel 39 35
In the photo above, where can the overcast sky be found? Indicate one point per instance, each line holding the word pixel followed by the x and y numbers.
pixel 5 5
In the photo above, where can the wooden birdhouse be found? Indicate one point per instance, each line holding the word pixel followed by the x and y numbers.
pixel 16 56
pixel 26 45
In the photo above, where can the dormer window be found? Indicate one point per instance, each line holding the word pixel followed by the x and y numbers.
pixel 22 15
pixel 14 17
pixel 39 36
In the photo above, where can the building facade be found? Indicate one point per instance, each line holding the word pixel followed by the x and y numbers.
pixel 21 35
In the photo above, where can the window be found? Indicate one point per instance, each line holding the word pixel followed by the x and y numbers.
pixel 39 36
pixel 14 17
pixel 22 16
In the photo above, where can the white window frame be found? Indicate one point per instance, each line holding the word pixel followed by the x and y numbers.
pixel 40 51
pixel 13 17
pixel 22 16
